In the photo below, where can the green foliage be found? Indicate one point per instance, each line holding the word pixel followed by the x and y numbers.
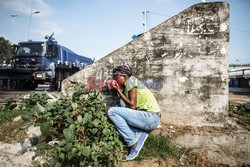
pixel 155 146
pixel 82 126
pixel 241 111
pixel 7 112
pixel 32 107
pixel 6 50
pixel 34 98
pixel 239 65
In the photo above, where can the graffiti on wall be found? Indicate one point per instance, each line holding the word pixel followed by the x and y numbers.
pixel 197 26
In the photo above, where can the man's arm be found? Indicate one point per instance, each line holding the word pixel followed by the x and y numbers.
pixel 131 101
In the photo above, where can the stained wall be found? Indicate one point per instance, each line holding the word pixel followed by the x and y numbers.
pixel 184 61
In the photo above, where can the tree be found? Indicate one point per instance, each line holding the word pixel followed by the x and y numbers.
pixel 6 50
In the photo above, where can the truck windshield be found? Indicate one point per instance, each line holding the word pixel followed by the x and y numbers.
pixel 30 49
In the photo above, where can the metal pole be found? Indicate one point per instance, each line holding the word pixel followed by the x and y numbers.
pixel 29 27
pixel 31 13
pixel 145 21
pixel 30 20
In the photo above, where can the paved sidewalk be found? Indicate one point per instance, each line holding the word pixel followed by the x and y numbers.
pixel 9 157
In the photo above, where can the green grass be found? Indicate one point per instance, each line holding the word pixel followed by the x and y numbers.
pixel 8 129
pixel 8 115
pixel 241 112
pixel 159 146
pixel 155 146
pixel 8 112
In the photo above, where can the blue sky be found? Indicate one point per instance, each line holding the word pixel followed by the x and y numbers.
pixel 95 28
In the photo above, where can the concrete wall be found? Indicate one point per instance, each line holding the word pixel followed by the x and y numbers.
pixel 189 52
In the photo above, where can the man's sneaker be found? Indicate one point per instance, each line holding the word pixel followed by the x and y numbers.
pixel 132 154
pixel 141 141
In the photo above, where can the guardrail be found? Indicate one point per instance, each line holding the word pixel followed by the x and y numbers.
pixel 5 66
pixel 240 73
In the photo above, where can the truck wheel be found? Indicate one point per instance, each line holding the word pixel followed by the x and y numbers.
pixel 26 85
pixel 34 85
pixel 52 85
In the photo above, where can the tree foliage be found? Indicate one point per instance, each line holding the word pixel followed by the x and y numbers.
pixel 6 50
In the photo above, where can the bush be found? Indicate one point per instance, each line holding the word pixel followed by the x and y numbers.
pixel 240 109
pixel 80 127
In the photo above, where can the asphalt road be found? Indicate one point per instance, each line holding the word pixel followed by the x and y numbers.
pixel 12 94
pixel 4 94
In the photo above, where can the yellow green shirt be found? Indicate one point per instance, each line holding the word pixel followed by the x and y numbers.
pixel 145 98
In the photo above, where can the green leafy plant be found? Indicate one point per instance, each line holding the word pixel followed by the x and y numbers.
pixel 240 109
pixel 32 105
pixel 8 112
pixel 81 126
pixel 241 113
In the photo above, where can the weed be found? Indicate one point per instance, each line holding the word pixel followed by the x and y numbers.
pixel 80 123
pixel 9 133
pixel 159 146
pixel 8 112
pixel 155 146
pixel 241 113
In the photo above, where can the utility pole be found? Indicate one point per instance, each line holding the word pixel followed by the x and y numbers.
pixel 145 20
pixel 31 13
pixel 30 22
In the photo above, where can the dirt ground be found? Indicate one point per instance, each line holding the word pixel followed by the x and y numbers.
pixel 239 98
pixel 212 146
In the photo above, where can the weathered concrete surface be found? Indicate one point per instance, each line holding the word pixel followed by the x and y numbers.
pixel 228 145
pixel 189 52
pixel 9 156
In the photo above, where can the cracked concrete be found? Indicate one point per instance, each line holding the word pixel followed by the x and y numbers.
pixel 9 156
pixel 13 155
pixel 228 145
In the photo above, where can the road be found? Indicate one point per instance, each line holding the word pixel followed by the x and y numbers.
pixel 238 99
pixel 19 94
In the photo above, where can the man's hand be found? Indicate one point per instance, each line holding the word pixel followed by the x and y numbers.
pixel 115 85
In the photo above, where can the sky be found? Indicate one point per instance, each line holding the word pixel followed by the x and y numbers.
pixel 95 28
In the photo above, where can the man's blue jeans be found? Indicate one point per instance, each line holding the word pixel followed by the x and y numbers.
pixel 131 122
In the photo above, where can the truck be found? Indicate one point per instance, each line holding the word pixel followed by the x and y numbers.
pixel 41 62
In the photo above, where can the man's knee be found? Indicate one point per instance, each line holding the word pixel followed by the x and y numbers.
pixel 111 111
